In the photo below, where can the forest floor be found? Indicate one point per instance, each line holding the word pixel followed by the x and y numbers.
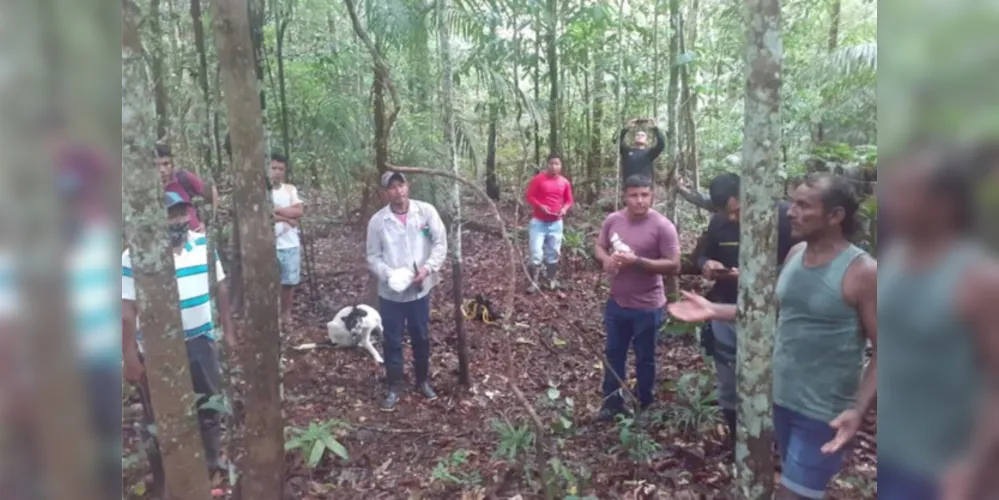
pixel 474 443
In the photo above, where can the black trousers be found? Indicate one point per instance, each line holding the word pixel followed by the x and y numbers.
pixel 206 376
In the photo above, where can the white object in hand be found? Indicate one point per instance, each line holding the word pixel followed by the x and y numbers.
pixel 619 246
pixel 400 279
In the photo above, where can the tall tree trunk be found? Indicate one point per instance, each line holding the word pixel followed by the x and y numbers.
pixel 537 92
pixel 156 64
pixel 655 60
pixel 153 269
pixel 198 20
pixel 50 414
pixel 671 98
pixel 831 45
pixel 454 232
pixel 256 11
pixel 760 191
pixel 492 180
pixel 596 159
pixel 262 465
pixel 553 91
pixel 282 29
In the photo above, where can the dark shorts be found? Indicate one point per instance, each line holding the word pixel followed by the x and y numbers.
pixel 805 470
pixel 898 483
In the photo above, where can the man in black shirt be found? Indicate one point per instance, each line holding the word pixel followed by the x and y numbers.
pixel 639 159
pixel 720 262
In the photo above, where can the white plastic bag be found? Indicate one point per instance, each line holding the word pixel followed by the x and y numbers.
pixel 400 279
pixel 619 246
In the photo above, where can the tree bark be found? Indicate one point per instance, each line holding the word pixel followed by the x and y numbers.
pixel 153 269
pixel 262 465
pixel 757 266
pixel 553 90
pixel 197 19
pixel 156 64
pixel 454 232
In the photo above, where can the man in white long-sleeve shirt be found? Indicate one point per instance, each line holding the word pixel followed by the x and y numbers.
pixel 407 245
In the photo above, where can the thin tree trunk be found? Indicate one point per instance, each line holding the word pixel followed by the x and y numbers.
pixel 262 465
pixel 197 19
pixel 553 91
pixel 153 269
pixel 760 190
pixel 156 64
pixel 596 159
pixel 282 29
pixel 454 232
pixel 537 93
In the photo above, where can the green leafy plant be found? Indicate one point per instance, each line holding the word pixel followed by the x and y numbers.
pixel 515 439
pixel 315 440
pixel 561 408
pixel 449 470
pixel 634 440
pixel 694 409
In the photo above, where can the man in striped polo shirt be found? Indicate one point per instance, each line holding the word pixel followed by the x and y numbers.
pixel 190 254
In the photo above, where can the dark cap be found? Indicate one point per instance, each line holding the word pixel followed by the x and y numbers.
pixel 390 176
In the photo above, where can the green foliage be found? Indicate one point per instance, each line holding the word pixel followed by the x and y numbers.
pixel 515 439
pixel 576 243
pixel 561 409
pixel 315 440
pixel 694 408
pixel 634 440
pixel 452 470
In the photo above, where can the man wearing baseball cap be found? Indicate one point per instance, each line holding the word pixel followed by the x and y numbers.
pixel 190 254
pixel 407 245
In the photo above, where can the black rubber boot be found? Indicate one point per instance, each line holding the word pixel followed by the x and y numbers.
pixel 730 420
pixel 551 271
pixel 535 274
pixel 393 376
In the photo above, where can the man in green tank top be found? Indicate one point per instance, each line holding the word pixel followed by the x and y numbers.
pixel 938 408
pixel 827 292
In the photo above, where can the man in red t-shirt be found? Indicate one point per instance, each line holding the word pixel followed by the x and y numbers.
pixel 550 195
pixel 185 183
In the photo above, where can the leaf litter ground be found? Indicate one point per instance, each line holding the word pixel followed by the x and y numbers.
pixel 448 448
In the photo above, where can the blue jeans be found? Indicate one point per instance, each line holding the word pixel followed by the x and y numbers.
pixel 805 470
pixel 544 240
pixel 104 389
pixel 635 328
pixel 289 264
pixel 898 483
pixel 397 317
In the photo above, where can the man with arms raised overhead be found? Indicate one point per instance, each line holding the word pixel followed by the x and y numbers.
pixel 938 408
pixel 828 299
pixel 407 245
pixel 637 245
pixel 550 195
pixel 639 158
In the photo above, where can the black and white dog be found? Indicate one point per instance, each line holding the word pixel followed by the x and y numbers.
pixel 353 326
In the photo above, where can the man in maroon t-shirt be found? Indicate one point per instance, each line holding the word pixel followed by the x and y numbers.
pixel 636 246
pixel 185 183
pixel 550 195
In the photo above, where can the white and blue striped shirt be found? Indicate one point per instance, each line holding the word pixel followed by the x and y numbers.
pixel 192 285
pixel 93 308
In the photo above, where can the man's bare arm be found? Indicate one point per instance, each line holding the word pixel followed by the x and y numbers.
pixel 864 288
pixel 981 297
pixel 293 212
pixel 669 265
